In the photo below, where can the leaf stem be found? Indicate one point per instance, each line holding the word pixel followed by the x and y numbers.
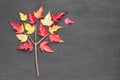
pixel 31 39
pixel 42 38
pixel 36 55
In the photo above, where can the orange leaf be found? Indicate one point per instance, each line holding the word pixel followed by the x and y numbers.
pixel 38 13
pixel 54 28
pixel 17 27
pixel 26 46
pixel 55 38
pixel 42 30
pixel 44 47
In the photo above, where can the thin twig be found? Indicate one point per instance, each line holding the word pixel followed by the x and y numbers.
pixel 42 38
pixel 36 56
pixel 31 39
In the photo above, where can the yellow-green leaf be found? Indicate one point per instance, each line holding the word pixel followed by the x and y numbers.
pixel 22 37
pixel 47 21
pixel 23 17
pixel 29 28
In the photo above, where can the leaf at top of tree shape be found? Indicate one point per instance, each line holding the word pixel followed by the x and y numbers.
pixel 38 13
pixel 47 21
pixel 23 17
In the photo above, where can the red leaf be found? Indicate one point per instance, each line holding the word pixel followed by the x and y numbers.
pixel 55 38
pixel 26 46
pixel 58 16
pixel 32 18
pixel 69 21
pixel 17 27
pixel 42 30
pixel 44 47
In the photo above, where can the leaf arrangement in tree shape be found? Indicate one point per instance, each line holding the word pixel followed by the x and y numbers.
pixel 47 27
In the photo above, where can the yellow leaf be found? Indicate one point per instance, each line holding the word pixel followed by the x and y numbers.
pixel 38 13
pixel 54 28
pixel 29 28
pixel 47 21
pixel 23 16
pixel 22 37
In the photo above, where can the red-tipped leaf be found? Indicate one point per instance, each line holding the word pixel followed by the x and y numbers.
pixel 45 47
pixel 42 30
pixel 58 16
pixel 55 38
pixel 26 46
pixel 17 27
pixel 32 18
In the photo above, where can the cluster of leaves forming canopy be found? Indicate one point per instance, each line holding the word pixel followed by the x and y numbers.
pixel 27 26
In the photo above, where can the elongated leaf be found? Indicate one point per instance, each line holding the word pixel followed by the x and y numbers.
pixel 17 27
pixel 54 28
pixel 23 17
pixel 42 30
pixel 32 19
pixel 44 47
pixel 58 16
pixel 47 21
pixel 26 46
pixel 29 28
pixel 55 38
pixel 22 37
pixel 39 12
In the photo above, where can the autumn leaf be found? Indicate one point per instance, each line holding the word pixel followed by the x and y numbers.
pixel 42 30
pixel 58 16
pixel 54 28
pixel 69 21
pixel 38 13
pixel 22 37
pixel 23 17
pixel 29 28
pixel 44 47
pixel 26 46
pixel 47 21
pixel 32 19
pixel 55 38
pixel 17 27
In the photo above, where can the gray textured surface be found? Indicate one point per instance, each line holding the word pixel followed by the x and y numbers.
pixel 92 45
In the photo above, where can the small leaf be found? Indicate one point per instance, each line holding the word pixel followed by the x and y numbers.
pixel 26 46
pixel 17 27
pixel 22 37
pixel 54 28
pixel 69 21
pixel 29 28
pixel 32 18
pixel 39 12
pixel 58 16
pixel 55 38
pixel 47 20
pixel 42 30
pixel 44 47
pixel 23 17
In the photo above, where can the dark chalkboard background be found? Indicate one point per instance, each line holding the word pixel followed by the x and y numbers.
pixel 92 45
